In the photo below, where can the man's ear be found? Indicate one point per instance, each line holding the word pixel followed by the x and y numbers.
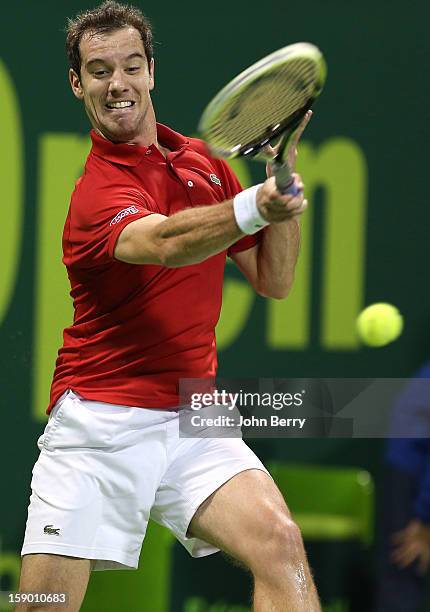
pixel 75 84
pixel 151 74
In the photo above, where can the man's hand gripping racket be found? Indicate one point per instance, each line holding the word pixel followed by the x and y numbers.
pixel 267 102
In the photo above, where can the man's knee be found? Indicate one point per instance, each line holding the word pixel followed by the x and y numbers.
pixel 280 545
pixel 45 573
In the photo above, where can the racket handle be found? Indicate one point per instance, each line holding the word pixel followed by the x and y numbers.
pixel 284 179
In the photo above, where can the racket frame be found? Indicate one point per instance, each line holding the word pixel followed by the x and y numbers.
pixel 285 129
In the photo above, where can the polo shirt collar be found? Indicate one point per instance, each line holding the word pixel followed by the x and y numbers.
pixel 132 155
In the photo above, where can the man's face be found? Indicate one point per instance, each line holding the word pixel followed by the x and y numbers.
pixel 115 84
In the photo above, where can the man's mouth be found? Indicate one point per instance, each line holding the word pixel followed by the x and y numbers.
pixel 120 105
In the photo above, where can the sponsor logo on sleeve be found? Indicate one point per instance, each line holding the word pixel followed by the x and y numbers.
pixel 131 210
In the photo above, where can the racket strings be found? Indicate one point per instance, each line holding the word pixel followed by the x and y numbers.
pixel 265 102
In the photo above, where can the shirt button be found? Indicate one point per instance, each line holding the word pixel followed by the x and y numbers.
pixel 190 184
pixel 148 152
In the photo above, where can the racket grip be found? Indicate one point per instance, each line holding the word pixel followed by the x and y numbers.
pixel 284 179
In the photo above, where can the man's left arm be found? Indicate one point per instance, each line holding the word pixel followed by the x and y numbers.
pixel 270 265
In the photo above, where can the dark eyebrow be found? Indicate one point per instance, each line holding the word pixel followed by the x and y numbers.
pixel 102 61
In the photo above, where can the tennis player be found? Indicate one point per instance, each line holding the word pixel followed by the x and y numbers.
pixel 146 236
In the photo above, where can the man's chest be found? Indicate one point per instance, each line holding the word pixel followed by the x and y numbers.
pixel 179 181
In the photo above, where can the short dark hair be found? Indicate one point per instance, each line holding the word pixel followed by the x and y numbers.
pixel 107 17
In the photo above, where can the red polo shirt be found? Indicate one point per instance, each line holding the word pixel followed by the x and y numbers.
pixel 138 329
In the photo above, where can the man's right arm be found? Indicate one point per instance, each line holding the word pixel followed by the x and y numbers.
pixel 187 237
pixel 194 234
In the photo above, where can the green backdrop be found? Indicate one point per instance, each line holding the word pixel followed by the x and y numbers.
pixel 363 160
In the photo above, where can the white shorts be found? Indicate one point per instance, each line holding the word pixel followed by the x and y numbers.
pixel 104 470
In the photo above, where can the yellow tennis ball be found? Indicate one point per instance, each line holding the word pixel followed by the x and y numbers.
pixel 379 324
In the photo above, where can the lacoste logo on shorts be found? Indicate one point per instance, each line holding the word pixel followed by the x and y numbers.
pixel 131 210
pixel 51 530
pixel 215 179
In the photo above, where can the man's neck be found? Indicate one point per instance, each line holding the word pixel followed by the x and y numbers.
pixel 148 136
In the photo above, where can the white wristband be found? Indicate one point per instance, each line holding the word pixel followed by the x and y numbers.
pixel 247 215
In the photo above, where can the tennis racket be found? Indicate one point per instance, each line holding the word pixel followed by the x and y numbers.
pixel 266 102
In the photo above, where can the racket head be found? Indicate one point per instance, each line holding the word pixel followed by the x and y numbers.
pixel 267 99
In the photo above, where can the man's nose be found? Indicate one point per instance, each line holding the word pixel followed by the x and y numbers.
pixel 118 83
